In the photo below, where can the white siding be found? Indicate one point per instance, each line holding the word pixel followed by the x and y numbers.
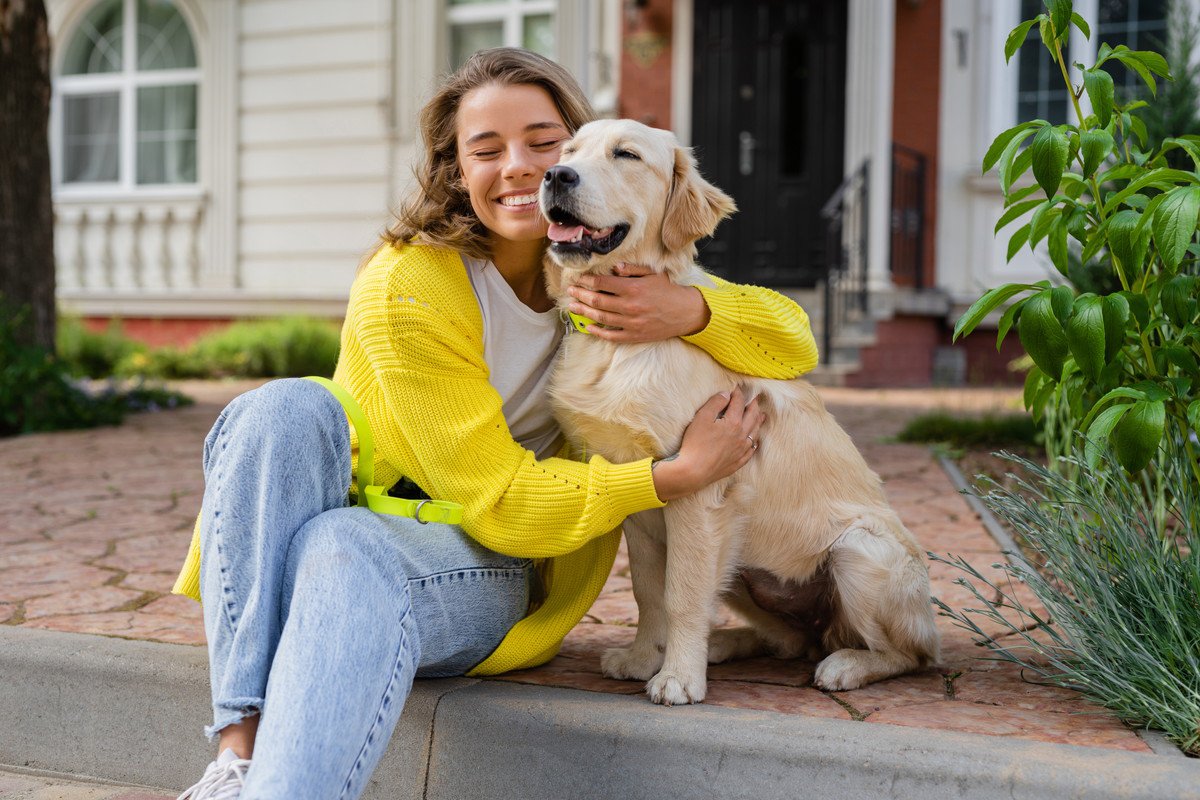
pixel 315 141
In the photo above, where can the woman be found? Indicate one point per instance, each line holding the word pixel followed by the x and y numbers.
pixel 447 345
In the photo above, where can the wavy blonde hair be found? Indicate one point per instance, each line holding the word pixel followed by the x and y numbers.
pixel 438 211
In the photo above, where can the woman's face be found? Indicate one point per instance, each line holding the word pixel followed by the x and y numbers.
pixel 507 137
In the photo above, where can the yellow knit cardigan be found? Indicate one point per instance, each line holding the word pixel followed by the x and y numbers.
pixel 412 356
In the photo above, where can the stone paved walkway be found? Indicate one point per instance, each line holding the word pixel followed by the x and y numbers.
pixel 94 525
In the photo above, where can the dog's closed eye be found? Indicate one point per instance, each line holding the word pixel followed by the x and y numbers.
pixel 623 153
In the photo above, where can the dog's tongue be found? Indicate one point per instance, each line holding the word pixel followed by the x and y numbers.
pixel 563 233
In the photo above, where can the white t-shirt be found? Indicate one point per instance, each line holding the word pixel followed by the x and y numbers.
pixel 519 346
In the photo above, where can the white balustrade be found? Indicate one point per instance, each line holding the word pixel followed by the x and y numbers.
pixel 129 246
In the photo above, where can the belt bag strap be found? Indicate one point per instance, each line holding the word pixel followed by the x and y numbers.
pixel 376 497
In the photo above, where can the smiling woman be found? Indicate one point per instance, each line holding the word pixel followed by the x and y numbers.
pixel 319 616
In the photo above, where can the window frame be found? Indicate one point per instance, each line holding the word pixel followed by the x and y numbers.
pixel 125 84
pixel 511 13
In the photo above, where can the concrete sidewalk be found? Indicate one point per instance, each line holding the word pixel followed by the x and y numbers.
pixel 94 524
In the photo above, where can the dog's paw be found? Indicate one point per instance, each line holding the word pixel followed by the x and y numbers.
pixel 842 670
pixel 725 644
pixel 673 689
pixel 631 663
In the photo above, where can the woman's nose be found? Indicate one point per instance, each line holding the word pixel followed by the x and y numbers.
pixel 519 163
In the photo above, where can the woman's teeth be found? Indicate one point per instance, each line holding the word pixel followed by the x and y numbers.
pixel 518 200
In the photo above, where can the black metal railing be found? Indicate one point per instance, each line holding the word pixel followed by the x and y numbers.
pixel 908 216
pixel 846 219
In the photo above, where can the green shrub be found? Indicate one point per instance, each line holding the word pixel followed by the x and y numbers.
pixel 37 392
pixel 93 355
pixel 275 348
pixel 1122 603
pixel 987 431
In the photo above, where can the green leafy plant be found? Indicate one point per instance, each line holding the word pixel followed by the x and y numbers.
pixel 987 431
pixel 1119 613
pixel 1126 364
pixel 93 355
pixel 273 348
pixel 38 393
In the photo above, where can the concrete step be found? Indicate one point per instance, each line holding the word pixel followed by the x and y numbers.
pixel 132 712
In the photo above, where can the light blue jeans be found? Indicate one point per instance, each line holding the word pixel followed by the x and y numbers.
pixel 319 615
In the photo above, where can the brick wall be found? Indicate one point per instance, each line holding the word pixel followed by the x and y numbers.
pixel 645 93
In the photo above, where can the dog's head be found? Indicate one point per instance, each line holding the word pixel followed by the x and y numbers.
pixel 626 192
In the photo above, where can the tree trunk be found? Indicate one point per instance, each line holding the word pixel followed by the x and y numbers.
pixel 26 211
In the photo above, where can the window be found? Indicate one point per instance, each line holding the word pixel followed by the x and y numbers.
pixel 480 24
pixel 1041 93
pixel 127 89
pixel 1137 24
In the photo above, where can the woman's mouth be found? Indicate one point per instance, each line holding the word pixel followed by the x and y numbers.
pixel 519 202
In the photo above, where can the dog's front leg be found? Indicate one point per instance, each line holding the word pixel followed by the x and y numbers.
pixel 696 545
pixel 646 538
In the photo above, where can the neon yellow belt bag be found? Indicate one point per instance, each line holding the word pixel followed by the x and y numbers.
pixel 375 497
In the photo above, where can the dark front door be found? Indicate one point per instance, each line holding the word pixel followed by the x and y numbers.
pixel 768 110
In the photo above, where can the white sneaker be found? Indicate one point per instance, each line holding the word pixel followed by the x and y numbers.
pixel 223 780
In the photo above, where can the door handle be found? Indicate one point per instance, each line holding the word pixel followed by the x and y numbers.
pixel 746 145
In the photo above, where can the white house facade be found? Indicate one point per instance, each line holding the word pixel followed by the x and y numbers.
pixel 229 158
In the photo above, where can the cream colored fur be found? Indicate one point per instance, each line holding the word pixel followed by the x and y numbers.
pixel 806 499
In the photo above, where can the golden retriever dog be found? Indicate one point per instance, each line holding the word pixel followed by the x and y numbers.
pixel 800 542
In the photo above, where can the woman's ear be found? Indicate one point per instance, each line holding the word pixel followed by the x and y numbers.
pixel 694 207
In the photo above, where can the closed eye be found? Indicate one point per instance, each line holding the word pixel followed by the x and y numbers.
pixel 621 153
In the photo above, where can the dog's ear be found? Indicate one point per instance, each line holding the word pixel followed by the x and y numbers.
pixel 695 207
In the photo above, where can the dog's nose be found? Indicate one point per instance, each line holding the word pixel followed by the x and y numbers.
pixel 560 177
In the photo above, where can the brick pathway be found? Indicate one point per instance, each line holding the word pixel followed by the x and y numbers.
pixel 22 786
pixel 94 525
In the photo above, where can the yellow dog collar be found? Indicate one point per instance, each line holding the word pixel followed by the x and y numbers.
pixel 376 497
pixel 580 322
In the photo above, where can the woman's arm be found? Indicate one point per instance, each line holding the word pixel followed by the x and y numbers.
pixel 748 329
pixel 422 382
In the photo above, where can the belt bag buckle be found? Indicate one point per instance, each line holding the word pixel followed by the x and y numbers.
pixel 376 497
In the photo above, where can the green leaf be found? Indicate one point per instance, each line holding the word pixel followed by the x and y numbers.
pixel 1039 224
pixel 1139 307
pixel 1095 146
pixel 1056 243
pixel 990 301
pixel 1017 241
pixel 1126 57
pixel 1135 438
pixel 1042 335
pixel 1098 432
pixel 1139 129
pixel 1121 392
pixel 1099 87
pixel 1193 413
pixel 1019 166
pixel 1183 358
pixel 1153 62
pixel 1020 194
pixel 1061 300
pixel 1049 150
pixel 1060 15
pixel 1116 317
pixel 1033 384
pixel 1121 172
pixel 1016 38
pixel 1148 213
pixel 1163 176
pixel 1096 239
pixel 1006 322
pixel 1178 299
pixel 1016 211
pixel 1081 23
pixel 1175 224
pixel 1085 335
pixel 1191 148
pixel 1125 245
pixel 1001 142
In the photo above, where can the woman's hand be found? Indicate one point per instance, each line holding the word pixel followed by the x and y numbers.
pixel 635 304
pixel 718 441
